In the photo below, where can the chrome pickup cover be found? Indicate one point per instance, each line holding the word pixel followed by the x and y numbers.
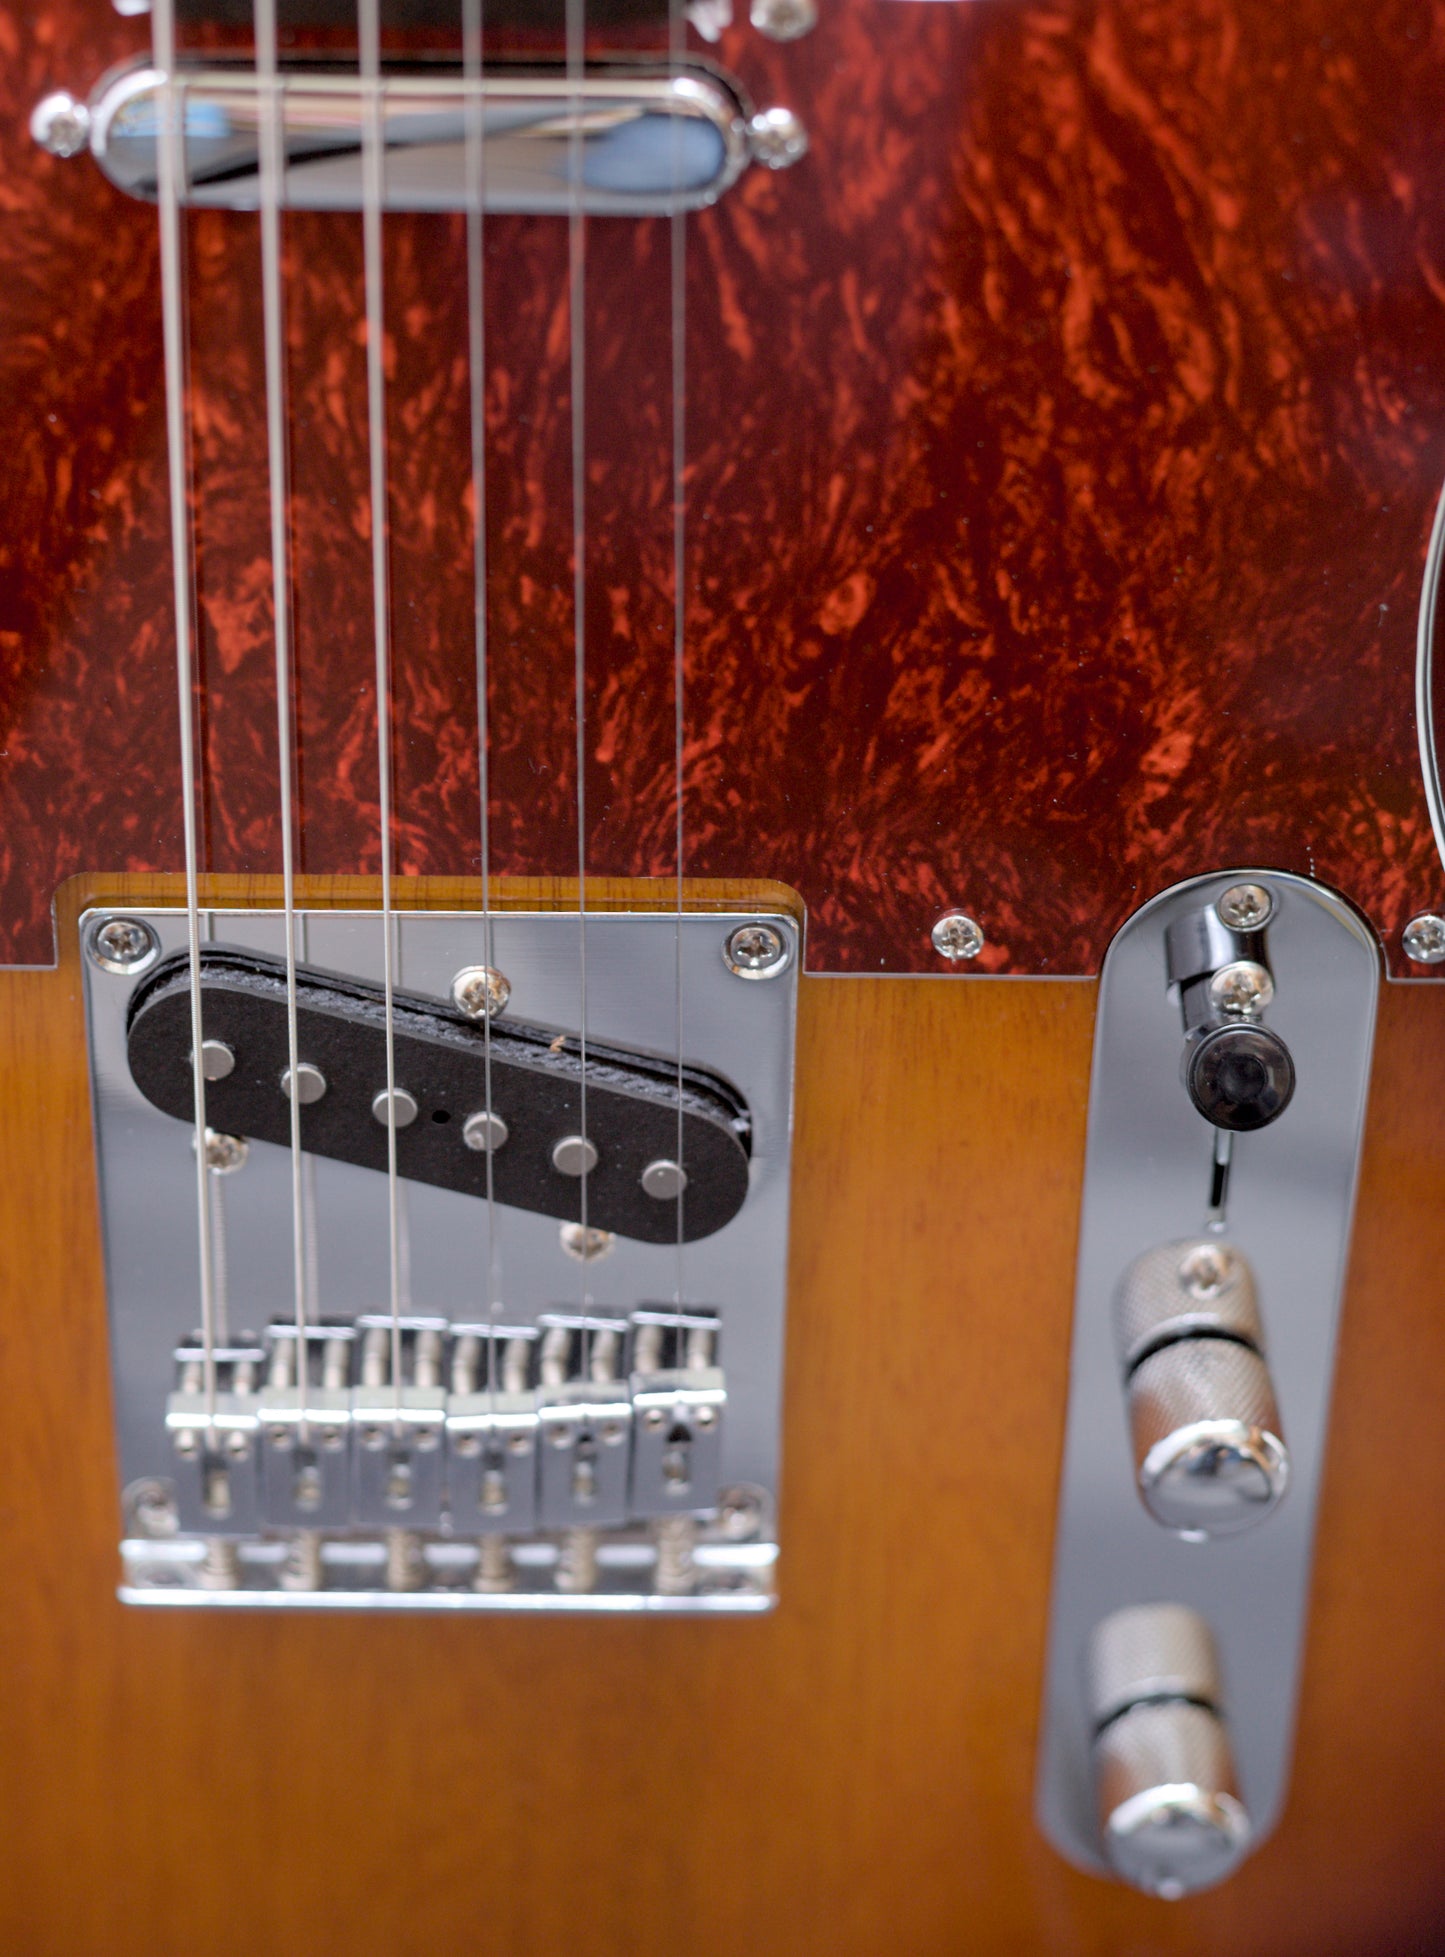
pixel 649 141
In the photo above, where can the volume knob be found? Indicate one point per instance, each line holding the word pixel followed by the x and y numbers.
pixel 1170 1816
pixel 1209 1455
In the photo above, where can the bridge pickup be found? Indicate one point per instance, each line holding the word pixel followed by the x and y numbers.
pixel 535 1131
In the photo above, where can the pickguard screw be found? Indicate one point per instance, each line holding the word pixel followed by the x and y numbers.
pixel 1245 907
pixel 757 951
pixel 1425 939
pixel 125 946
pixel 60 124
pixel 225 1153
pixel 957 935
pixel 481 992
pixel 784 20
pixel 778 138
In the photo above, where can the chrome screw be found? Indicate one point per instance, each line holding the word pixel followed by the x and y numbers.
pixel 756 951
pixel 784 20
pixel 1424 939
pixel 653 1419
pixel 586 1245
pixel 740 1513
pixel 1242 989
pixel 125 946
pixel 778 139
pixel 152 1508
pixel 226 1153
pixel 957 935
pixel 1245 907
pixel 480 991
pixel 60 124
pixel 1207 1270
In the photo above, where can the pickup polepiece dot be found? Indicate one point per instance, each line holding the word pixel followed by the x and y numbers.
pixel 403 1104
pixel 574 1155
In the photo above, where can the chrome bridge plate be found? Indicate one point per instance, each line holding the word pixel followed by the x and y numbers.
pixel 628 1360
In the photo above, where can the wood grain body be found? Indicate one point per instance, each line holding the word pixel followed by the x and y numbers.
pixel 850 1776
pixel 1062 441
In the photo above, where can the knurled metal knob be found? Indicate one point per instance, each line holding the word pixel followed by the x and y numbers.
pixel 1209 1456
pixel 1170 1815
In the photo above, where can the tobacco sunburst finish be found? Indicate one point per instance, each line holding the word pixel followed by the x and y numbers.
pixel 850 1775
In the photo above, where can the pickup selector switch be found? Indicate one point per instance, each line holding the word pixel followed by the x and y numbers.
pixel 1170 1815
pixel 1209 1456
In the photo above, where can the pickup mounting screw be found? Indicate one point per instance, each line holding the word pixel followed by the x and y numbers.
pixel 481 992
pixel 225 1153
pixel 311 1083
pixel 1245 907
pixel 585 1246
pixel 126 946
pixel 574 1155
pixel 664 1180
pixel 784 20
pixel 957 935
pixel 485 1132
pixel 778 138
pixel 1425 939
pixel 757 951
pixel 60 124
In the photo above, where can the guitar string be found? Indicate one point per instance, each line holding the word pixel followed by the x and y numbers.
pixel 576 22
pixel 677 267
pixel 170 165
pixel 475 156
pixel 271 160
pixel 369 36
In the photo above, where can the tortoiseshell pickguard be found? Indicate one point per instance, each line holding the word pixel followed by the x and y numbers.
pixel 1063 436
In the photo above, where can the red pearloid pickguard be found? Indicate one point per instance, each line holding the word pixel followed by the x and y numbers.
pixel 1063 439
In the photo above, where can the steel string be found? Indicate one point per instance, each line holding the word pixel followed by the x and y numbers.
pixel 369 37
pixel 576 19
pixel 170 167
pixel 677 239
pixel 271 160
pixel 475 169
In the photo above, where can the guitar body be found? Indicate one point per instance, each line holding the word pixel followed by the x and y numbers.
pixel 1064 439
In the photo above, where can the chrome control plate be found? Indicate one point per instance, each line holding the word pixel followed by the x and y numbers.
pixel 1290 1202
pixel 652 1553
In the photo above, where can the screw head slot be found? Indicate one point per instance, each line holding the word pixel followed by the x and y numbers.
pixel 1424 939
pixel 1246 907
pixel 956 935
pixel 757 951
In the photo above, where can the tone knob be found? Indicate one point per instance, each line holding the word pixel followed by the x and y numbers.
pixel 1170 1816
pixel 1209 1456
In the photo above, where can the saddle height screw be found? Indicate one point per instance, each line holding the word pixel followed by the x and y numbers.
pixel 757 951
pixel 126 946
pixel 481 992
pixel 957 935
pixel 1245 907
pixel 225 1153
pixel 60 124
pixel 1425 939
pixel 784 20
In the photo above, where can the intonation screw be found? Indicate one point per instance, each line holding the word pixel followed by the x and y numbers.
pixel 756 951
pixel 783 20
pixel 957 935
pixel 480 991
pixel 60 124
pixel 152 1508
pixel 778 139
pixel 1245 907
pixel 126 946
pixel 1424 939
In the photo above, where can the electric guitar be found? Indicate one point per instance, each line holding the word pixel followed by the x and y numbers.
pixel 722 903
